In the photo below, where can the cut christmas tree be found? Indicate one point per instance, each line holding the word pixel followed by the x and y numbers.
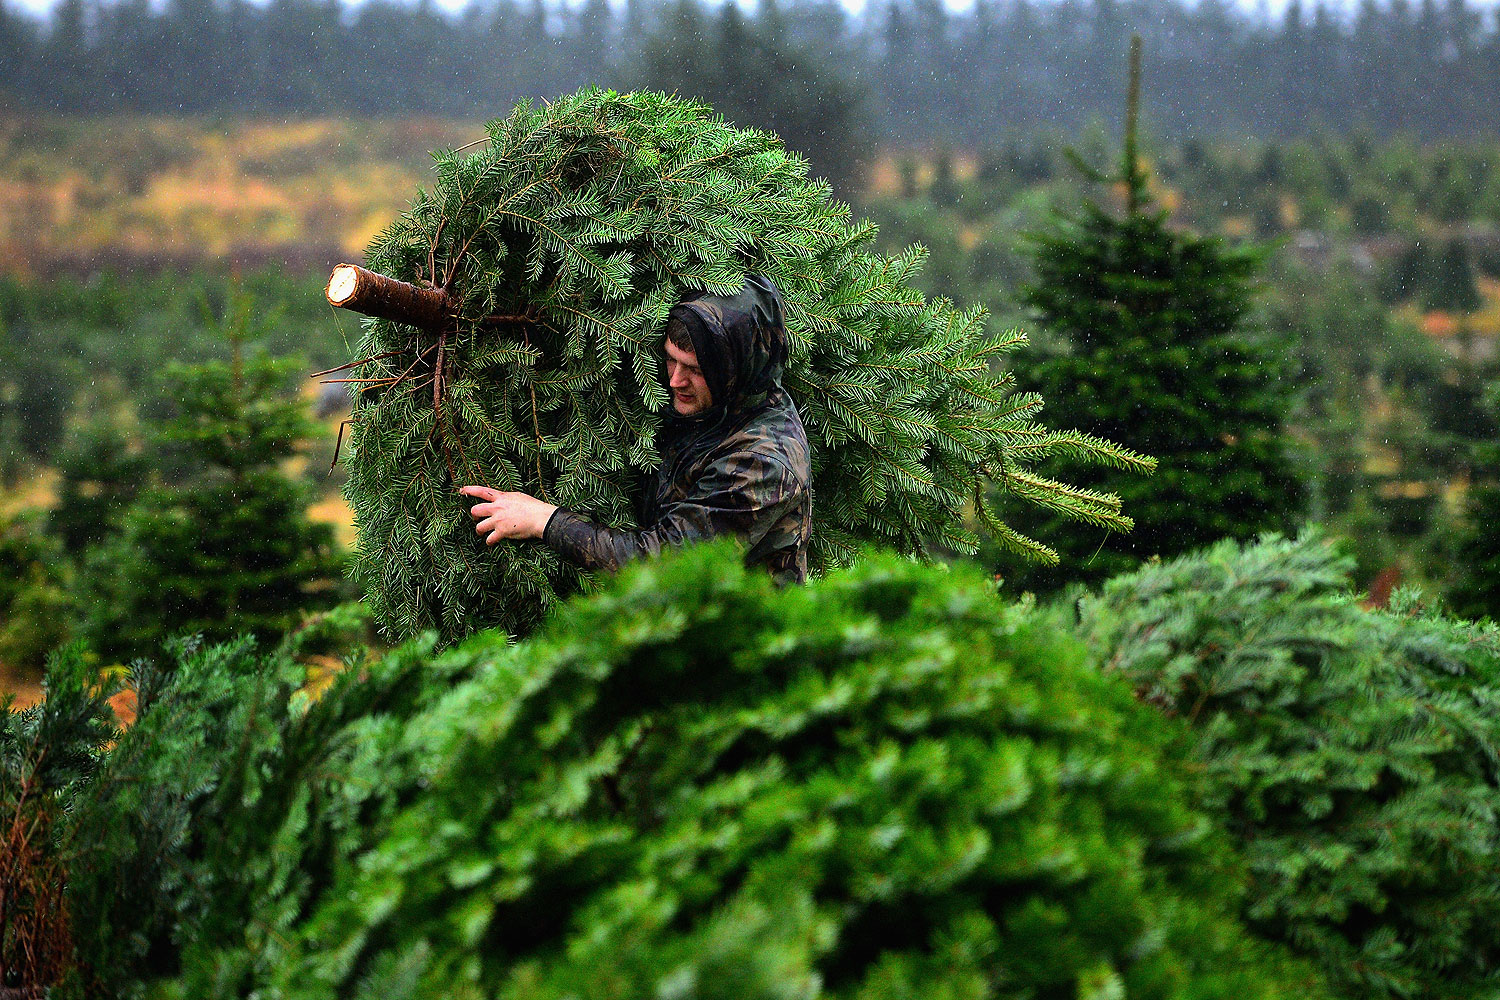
pixel 545 265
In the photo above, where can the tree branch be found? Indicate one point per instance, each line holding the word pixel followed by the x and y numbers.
pixel 352 287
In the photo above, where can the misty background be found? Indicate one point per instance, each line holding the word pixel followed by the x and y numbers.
pixel 912 71
pixel 177 179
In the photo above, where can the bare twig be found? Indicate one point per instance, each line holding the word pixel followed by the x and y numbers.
pixel 339 444
pixel 536 428
pixel 355 364
pixel 471 145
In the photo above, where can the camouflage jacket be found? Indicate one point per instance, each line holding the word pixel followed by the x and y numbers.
pixel 741 468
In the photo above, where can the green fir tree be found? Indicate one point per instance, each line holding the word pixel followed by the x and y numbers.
pixel 1477 592
pixel 230 549
pixel 1147 325
pixel 691 784
pixel 36 605
pixel 49 754
pixel 1451 285
pixel 151 845
pixel 564 244
pixel 35 392
pixel 1354 754
pixel 101 472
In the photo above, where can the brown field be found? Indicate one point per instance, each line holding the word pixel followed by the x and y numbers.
pixel 124 192
pixel 27 690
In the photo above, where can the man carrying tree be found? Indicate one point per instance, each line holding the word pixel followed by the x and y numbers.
pixel 735 458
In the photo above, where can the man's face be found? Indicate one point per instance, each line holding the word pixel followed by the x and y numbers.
pixel 690 393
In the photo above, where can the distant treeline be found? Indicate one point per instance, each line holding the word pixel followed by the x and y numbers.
pixel 909 71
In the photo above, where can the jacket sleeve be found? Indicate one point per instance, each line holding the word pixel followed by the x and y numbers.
pixel 742 495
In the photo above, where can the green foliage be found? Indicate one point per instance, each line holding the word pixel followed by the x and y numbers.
pixel 51 750
pixel 589 217
pixel 35 605
pixel 1477 591
pixel 218 559
pixel 49 754
pixel 693 783
pixel 988 270
pixel 34 395
pixel 1408 274
pixel 152 851
pixel 233 418
pixel 180 832
pixel 228 549
pixel 119 331
pixel 1355 754
pixel 1451 283
pixel 1444 281
pixel 101 471
pixel 1389 418
pixel 1150 349
pixel 235 798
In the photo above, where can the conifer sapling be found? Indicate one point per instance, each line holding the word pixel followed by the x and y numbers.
pixel 1152 349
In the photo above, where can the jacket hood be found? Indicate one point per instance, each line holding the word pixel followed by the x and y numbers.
pixel 740 341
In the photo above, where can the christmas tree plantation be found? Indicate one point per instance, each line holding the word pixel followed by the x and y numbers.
pixel 561 247
pixel 1150 342
pixel 1477 592
pixel 1355 754
pixel 227 549
pixel 692 783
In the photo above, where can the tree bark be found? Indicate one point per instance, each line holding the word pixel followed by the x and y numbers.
pixel 352 287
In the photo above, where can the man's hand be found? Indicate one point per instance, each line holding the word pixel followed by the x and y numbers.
pixel 507 515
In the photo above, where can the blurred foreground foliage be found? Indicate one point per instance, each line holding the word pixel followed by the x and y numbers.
pixel 886 783
pixel 49 753
pixel 1355 754
pixel 1210 779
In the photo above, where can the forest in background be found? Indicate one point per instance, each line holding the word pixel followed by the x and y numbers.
pixel 903 72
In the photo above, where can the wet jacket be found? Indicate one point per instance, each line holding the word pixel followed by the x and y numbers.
pixel 741 467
